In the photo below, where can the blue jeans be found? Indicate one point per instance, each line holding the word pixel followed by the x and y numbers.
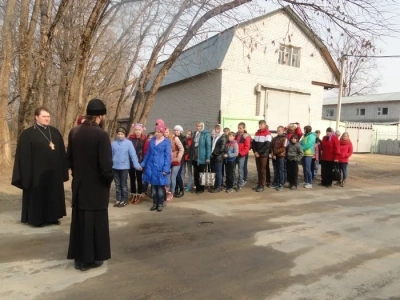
pixel 174 173
pixel 343 170
pixel 121 184
pixel 240 162
pixel 314 168
pixel 158 194
pixel 279 171
pixel 308 176
pixel 218 174
pixel 179 179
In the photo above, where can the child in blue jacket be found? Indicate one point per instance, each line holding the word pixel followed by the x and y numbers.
pixel 231 152
pixel 123 153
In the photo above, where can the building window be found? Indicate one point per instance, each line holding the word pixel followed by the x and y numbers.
pixel 360 111
pixel 382 111
pixel 289 56
pixel 329 112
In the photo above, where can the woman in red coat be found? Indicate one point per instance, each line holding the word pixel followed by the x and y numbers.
pixel 346 150
pixel 330 151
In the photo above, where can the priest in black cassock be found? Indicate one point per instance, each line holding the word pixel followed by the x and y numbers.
pixel 40 170
pixel 90 159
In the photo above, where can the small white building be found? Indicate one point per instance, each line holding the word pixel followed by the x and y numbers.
pixel 272 67
pixel 379 108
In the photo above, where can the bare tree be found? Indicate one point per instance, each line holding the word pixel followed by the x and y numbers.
pixel 144 100
pixel 69 51
pixel 360 77
pixel 5 70
pixel 356 18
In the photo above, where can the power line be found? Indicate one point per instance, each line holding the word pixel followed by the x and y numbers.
pixel 373 56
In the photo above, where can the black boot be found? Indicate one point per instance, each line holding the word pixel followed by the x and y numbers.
pixel 154 207
pixel 159 208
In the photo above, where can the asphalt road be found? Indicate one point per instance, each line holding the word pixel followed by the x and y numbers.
pixel 337 243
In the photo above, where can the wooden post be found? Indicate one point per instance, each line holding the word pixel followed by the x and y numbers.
pixel 339 105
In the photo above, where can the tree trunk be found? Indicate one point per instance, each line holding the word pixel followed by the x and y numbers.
pixel 31 98
pixel 26 33
pixel 146 99
pixel 75 94
pixel 6 67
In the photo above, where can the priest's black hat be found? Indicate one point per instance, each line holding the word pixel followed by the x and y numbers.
pixel 96 107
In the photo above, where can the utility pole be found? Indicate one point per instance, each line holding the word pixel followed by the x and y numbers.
pixel 339 105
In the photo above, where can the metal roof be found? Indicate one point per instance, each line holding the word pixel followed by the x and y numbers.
pixel 364 99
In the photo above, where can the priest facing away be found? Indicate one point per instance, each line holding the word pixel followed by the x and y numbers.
pixel 40 170
pixel 90 159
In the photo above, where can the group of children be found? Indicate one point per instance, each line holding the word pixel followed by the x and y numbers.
pixel 164 158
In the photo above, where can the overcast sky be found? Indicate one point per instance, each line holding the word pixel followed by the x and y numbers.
pixel 389 68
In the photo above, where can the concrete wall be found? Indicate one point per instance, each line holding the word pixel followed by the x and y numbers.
pixel 349 112
pixel 386 139
pixel 186 102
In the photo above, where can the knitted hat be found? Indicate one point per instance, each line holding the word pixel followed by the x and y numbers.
pixel 138 125
pixel 161 128
pixel 96 107
pixel 160 122
pixel 178 127
pixel 121 129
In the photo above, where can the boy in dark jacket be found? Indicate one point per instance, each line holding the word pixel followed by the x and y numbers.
pixel 261 145
pixel 278 151
pixel 294 154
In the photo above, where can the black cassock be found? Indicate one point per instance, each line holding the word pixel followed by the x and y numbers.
pixel 89 156
pixel 41 172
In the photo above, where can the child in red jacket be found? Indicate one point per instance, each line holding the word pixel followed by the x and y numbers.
pixel 346 150
pixel 243 140
pixel 330 151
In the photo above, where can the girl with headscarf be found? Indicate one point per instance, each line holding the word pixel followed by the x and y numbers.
pixel 200 154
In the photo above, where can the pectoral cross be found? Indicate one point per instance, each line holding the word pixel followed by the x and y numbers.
pixel 52 146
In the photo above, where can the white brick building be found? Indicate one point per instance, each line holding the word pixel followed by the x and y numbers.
pixel 272 67
pixel 380 108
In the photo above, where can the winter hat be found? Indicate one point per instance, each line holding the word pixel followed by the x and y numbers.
pixel 96 107
pixel 121 129
pixel 138 125
pixel 160 122
pixel 161 128
pixel 178 127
